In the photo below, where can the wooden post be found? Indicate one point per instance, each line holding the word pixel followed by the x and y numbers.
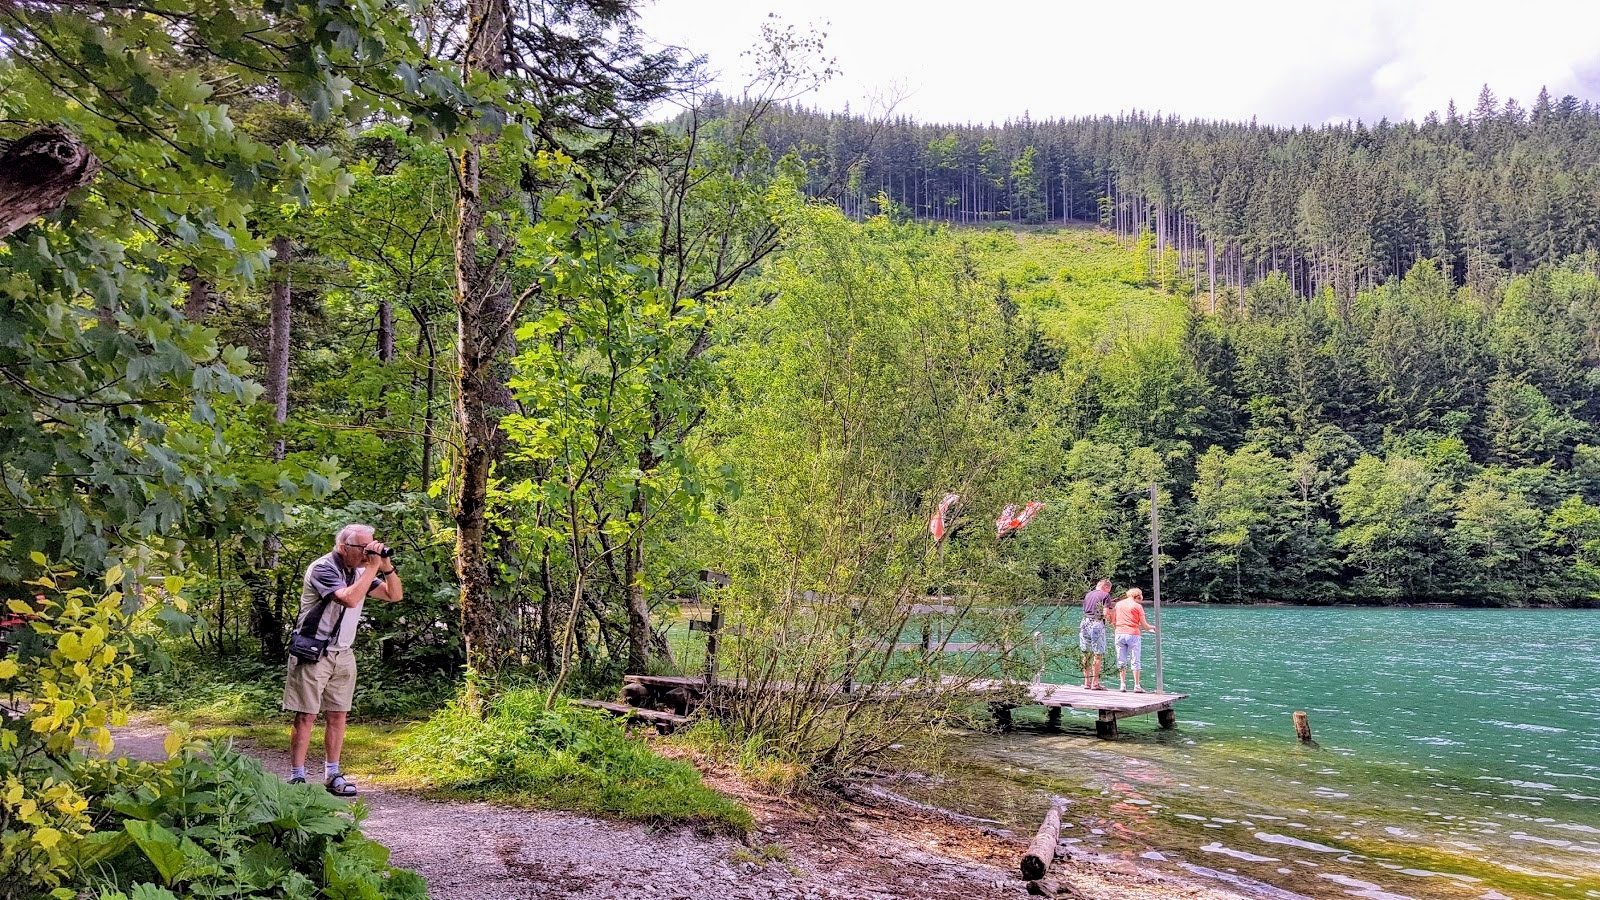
pixel 1042 852
pixel 1302 726
pixel 1002 715
pixel 712 627
pixel 1155 580
pixel 1053 716
pixel 1106 725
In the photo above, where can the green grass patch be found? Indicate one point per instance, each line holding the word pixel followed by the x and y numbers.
pixel 372 745
pixel 1084 285
pixel 566 758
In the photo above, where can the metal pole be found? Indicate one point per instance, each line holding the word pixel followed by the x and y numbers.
pixel 1155 579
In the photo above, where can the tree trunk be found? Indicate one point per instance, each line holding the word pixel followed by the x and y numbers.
pixel 278 344
pixel 385 331
pixel 200 300
pixel 633 563
pixel 38 171
pixel 478 335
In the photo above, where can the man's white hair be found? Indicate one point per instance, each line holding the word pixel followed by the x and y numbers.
pixel 350 531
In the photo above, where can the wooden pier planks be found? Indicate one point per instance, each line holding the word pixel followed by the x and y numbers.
pixel 1110 704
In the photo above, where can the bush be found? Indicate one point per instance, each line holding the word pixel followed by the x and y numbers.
pixel 213 823
pixel 566 758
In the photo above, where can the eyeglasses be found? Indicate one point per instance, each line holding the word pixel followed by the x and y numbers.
pixel 357 546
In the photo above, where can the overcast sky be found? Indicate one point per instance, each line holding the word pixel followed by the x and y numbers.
pixel 1282 61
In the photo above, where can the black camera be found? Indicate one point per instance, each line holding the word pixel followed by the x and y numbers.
pixel 385 552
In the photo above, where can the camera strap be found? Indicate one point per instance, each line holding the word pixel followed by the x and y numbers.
pixel 309 628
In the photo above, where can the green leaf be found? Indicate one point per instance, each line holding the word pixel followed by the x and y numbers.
pixel 160 846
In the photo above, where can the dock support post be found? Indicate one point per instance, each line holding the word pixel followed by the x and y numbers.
pixel 1168 718
pixel 1053 716
pixel 1002 715
pixel 1106 725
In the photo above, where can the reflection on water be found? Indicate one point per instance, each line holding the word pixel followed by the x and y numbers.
pixel 1458 755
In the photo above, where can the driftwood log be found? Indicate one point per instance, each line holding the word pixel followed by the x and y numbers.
pixel 1042 852
pixel 38 171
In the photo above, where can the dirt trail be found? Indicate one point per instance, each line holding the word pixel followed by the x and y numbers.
pixel 481 851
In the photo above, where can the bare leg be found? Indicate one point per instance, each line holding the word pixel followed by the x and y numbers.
pixel 1098 662
pixel 1136 685
pixel 333 735
pixel 300 737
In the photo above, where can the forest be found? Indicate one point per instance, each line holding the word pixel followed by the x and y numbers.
pixel 1497 190
pixel 273 268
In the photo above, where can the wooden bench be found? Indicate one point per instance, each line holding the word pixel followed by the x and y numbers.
pixel 664 722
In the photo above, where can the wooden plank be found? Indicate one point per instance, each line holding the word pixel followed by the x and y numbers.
pixel 950 647
pixel 653 716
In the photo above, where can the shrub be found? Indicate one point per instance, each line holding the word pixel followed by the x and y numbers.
pixel 65 683
pixel 214 823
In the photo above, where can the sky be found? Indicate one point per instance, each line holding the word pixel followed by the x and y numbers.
pixel 1282 62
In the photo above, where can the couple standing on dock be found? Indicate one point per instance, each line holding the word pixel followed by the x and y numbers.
pixel 1127 617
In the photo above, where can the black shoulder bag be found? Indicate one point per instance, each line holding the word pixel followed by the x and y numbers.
pixel 304 644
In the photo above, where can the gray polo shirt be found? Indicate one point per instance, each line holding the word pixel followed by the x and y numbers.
pixel 324 576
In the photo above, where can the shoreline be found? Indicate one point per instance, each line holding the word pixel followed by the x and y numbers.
pixel 819 846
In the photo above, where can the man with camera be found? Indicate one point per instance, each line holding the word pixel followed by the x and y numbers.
pixel 322 665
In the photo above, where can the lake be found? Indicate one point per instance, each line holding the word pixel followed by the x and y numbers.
pixel 1458 755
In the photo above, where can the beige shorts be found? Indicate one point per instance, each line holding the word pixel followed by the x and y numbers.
pixel 327 685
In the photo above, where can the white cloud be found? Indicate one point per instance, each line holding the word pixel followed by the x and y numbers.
pixel 1283 62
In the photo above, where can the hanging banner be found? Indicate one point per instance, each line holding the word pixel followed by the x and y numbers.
pixel 936 525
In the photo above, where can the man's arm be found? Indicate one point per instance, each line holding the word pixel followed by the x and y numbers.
pixel 388 588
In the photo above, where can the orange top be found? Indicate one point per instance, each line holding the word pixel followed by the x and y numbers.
pixel 1128 616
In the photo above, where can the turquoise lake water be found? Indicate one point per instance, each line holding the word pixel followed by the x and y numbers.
pixel 1458 755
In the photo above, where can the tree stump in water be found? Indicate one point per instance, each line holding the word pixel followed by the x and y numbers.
pixel 1302 726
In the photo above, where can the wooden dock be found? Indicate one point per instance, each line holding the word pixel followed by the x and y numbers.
pixel 682 693
pixel 1111 705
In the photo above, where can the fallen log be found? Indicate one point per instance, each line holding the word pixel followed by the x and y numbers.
pixel 38 171
pixel 1042 852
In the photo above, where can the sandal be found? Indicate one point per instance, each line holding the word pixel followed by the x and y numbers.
pixel 297 780
pixel 339 786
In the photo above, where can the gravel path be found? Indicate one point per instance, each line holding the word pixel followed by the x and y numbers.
pixel 481 851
